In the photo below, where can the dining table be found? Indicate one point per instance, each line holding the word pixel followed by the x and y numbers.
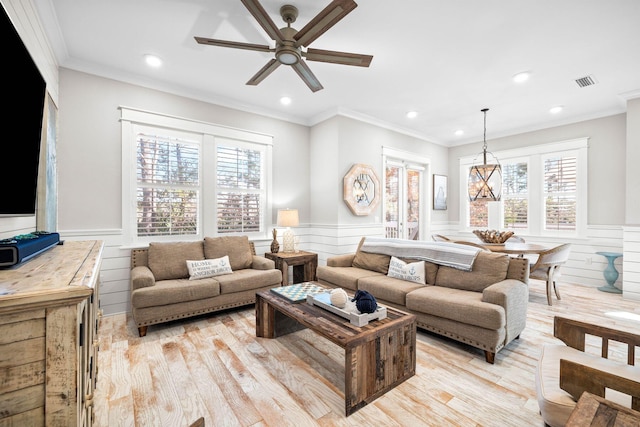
pixel 515 248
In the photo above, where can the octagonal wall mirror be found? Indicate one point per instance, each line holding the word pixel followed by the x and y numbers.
pixel 361 189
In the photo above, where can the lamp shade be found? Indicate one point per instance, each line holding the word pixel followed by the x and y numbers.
pixel 288 218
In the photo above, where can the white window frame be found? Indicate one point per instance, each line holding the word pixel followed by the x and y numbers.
pixel 132 118
pixel 536 154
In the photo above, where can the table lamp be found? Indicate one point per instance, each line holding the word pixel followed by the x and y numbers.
pixel 288 218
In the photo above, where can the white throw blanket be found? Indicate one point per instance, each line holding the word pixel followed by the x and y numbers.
pixel 449 254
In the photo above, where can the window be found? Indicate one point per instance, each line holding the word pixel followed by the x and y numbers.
pixel 168 184
pixel 190 179
pixel 560 193
pixel 239 189
pixel 515 195
pixel 544 191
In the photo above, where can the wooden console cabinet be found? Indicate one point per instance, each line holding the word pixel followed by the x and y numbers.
pixel 49 314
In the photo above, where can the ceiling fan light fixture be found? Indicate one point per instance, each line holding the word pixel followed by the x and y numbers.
pixel 485 180
pixel 288 55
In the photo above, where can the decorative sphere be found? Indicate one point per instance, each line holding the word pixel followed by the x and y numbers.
pixel 339 297
pixel 365 302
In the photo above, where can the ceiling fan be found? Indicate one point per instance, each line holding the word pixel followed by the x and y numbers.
pixel 289 42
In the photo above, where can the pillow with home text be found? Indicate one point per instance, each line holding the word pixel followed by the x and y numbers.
pixel 411 272
pixel 200 269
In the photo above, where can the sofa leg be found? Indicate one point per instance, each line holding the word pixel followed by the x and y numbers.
pixel 142 331
pixel 489 357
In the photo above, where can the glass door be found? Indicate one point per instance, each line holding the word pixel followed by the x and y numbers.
pixel 402 203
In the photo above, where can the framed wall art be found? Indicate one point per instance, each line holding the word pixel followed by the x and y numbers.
pixel 439 192
pixel 361 190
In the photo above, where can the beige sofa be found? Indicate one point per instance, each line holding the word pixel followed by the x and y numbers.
pixel 161 289
pixel 485 307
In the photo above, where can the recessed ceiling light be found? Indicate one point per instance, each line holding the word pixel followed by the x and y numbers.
pixel 459 132
pixel 153 61
pixel 285 100
pixel 521 77
pixel 412 114
pixel 556 109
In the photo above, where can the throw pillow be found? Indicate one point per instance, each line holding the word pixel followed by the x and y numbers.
pixel 370 261
pixel 167 259
pixel 209 268
pixel 236 247
pixel 411 272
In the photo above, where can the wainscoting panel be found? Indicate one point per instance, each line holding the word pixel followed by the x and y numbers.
pixel 631 262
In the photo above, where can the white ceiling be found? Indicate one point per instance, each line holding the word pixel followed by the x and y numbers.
pixel 444 59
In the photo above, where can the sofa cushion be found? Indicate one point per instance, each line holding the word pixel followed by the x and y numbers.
pixel 237 247
pixel 387 288
pixel 202 269
pixel 409 271
pixel 457 305
pixel 431 271
pixel 167 292
pixel 369 261
pixel 248 279
pixel 488 268
pixel 168 260
pixel 344 277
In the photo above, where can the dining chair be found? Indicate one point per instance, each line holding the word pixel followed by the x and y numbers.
pixel 440 238
pixel 547 267
pixel 569 368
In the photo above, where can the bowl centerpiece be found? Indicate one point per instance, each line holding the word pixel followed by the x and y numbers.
pixel 493 236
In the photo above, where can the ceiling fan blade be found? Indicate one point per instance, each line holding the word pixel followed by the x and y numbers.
pixel 326 19
pixel 263 19
pixel 307 76
pixel 264 72
pixel 334 57
pixel 237 45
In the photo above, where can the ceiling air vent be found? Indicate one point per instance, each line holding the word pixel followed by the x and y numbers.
pixel 586 81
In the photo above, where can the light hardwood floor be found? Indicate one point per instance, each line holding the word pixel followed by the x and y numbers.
pixel 214 366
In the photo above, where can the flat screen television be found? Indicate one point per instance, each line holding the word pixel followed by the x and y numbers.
pixel 21 124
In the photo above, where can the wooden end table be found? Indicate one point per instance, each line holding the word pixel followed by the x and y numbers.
pixel 377 357
pixel 304 265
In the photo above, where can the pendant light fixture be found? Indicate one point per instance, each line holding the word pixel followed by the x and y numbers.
pixel 485 180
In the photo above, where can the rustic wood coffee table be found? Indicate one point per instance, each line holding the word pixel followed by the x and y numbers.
pixel 378 356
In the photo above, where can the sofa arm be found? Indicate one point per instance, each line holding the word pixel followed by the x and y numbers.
pixel 141 277
pixel 345 260
pixel 262 263
pixel 513 296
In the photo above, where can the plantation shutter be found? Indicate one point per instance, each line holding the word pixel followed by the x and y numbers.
pixel 515 195
pixel 560 177
pixel 239 189
pixel 167 169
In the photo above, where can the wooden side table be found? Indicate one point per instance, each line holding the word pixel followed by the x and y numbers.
pixel 304 265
